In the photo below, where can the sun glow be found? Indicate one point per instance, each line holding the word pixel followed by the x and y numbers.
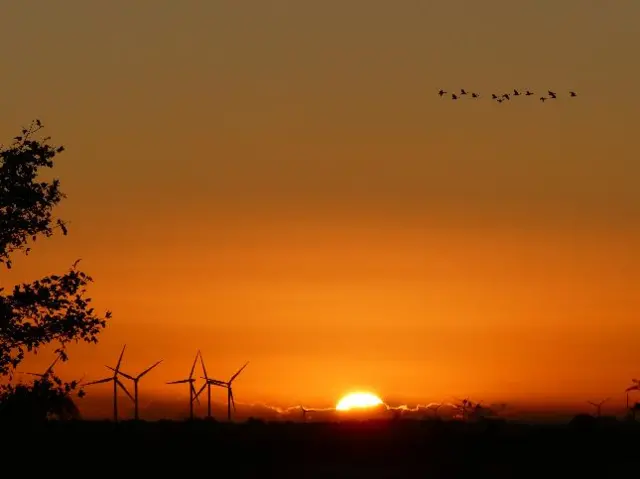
pixel 358 401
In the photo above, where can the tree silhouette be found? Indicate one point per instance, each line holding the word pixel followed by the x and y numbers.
pixel 47 398
pixel 53 310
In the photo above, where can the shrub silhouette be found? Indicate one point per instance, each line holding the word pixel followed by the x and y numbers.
pixel 43 400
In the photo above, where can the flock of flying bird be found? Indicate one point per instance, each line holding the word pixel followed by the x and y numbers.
pixel 551 95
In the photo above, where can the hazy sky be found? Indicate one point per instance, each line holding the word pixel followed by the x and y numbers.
pixel 278 181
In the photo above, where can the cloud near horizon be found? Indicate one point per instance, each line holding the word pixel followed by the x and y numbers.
pixel 100 407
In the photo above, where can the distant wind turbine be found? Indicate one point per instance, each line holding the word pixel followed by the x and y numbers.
pixel 435 408
pixel 634 387
pixel 116 384
pixel 207 385
pixel 304 413
pixel 192 390
pixel 48 371
pixel 598 406
pixel 228 385
pixel 463 406
pixel 135 380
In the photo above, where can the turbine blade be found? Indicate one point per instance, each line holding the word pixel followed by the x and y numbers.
pixel 180 381
pixel 50 368
pixel 148 369
pixel 121 373
pixel 122 386
pixel 99 381
pixel 201 389
pixel 120 358
pixel 195 396
pixel 238 372
pixel 204 369
pixel 193 366
pixel 212 381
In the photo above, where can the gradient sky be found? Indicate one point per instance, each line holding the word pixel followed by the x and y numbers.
pixel 277 181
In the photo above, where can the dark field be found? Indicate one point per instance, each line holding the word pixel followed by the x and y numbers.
pixel 369 449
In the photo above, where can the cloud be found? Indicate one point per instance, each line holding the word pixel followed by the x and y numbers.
pixel 101 407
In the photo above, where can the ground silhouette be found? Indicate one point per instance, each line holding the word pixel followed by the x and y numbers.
pixel 374 448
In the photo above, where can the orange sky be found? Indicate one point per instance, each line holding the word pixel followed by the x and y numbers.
pixel 279 183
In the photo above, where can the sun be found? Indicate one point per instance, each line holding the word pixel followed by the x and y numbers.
pixel 358 401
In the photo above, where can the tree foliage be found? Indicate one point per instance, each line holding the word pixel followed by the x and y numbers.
pixel 51 310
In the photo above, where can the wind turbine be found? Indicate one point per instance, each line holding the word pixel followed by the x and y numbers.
pixel 304 413
pixel 135 380
pixel 463 406
pixel 192 390
pixel 228 385
pixel 598 406
pixel 48 371
pixel 116 384
pixel 634 387
pixel 435 408
pixel 207 385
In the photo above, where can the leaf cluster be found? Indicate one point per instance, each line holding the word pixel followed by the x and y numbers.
pixel 54 309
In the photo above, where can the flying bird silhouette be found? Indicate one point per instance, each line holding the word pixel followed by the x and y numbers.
pixel 543 99
pixel 528 93
pixel 494 96
pixel 506 96
pixel 441 92
pixel 552 94
pixel 516 92
pixel 463 92
pixel 474 95
pixel 454 96
pixel 573 93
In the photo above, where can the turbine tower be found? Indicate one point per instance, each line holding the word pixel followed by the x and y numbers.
pixel 229 386
pixel 207 385
pixel 116 384
pixel 135 380
pixel 192 390
pixel 598 406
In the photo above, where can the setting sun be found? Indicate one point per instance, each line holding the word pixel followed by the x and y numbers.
pixel 358 401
